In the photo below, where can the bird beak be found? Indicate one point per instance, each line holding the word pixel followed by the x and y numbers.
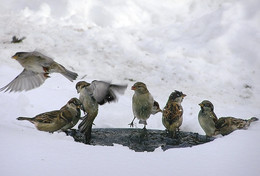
pixel 133 88
pixel 184 95
pixel 201 105
pixel 14 56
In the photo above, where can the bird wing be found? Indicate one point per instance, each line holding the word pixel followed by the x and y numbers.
pixel 214 117
pixel 26 80
pixel 220 123
pixel 47 59
pixel 66 115
pixel 172 112
pixel 105 92
pixel 156 107
pixel 47 117
pixel 99 90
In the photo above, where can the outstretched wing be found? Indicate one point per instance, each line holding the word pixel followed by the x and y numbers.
pixel 26 80
pixel 105 92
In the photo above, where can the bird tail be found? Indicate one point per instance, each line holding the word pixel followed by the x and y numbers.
pixel 62 70
pixel 86 125
pixel 69 74
pixel 252 119
pixel 25 118
pixel 249 121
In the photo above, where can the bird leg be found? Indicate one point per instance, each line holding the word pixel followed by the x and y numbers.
pixel 144 128
pixel 45 69
pixel 85 127
pixel 132 123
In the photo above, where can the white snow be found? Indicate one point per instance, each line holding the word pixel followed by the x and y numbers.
pixel 208 49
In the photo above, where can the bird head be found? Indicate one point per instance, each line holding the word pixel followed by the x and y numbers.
pixel 19 55
pixel 140 87
pixel 177 96
pixel 75 103
pixel 206 105
pixel 81 84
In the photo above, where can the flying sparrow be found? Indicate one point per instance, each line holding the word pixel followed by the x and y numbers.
pixel 226 125
pixel 94 94
pixel 143 104
pixel 172 113
pixel 37 68
pixel 55 120
pixel 207 118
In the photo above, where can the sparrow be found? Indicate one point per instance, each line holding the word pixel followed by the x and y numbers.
pixel 207 118
pixel 55 120
pixel 143 104
pixel 91 96
pixel 172 112
pixel 37 68
pixel 76 115
pixel 226 125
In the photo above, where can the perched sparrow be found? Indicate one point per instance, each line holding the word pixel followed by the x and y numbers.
pixel 172 112
pixel 226 125
pixel 55 120
pixel 37 68
pixel 143 104
pixel 91 95
pixel 207 118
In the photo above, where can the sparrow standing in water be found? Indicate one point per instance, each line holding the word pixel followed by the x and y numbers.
pixel 37 68
pixel 92 95
pixel 55 120
pixel 207 118
pixel 172 113
pixel 143 104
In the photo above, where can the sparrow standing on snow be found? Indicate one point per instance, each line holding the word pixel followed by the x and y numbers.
pixel 55 120
pixel 207 118
pixel 172 113
pixel 143 104
pixel 92 95
pixel 226 125
pixel 37 68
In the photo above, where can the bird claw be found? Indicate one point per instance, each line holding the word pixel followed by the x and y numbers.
pixel 131 124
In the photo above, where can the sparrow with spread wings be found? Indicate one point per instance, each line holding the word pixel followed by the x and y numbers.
pixel 37 68
pixel 91 96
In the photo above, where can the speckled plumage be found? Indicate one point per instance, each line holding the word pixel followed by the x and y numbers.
pixel 55 120
pixel 226 125
pixel 172 115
